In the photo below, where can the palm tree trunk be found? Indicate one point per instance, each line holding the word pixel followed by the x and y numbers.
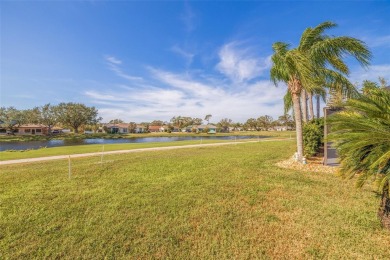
pixel 311 109
pixel 318 105
pixel 298 125
pixel 304 105
pixel 384 209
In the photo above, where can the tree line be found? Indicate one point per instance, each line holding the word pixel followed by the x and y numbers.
pixel 72 115
pixel 79 116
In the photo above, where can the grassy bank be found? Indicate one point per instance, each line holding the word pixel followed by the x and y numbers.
pixel 93 148
pixel 204 203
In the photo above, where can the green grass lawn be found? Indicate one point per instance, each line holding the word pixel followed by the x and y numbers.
pixel 199 203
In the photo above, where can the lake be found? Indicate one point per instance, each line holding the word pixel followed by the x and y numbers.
pixel 56 143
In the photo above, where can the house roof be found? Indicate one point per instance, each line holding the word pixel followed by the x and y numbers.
pixel 155 127
pixel 204 126
pixel 120 125
pixel 32 126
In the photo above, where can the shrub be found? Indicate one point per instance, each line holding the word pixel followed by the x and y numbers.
pixel 313 136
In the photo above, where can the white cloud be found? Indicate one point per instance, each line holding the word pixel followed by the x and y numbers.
pixel 177 94
pixel 377 41
pixel 241 64
pixel 113 64
pixel 372 73
pixel 113 60
pixel 188 56
pixel 188 18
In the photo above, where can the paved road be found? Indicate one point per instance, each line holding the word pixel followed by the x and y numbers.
pixel 59 157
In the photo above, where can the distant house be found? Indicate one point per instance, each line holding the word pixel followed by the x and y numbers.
pixel 31 129
pixel 121 128
pixel 140 129
pixel 281 128
pixel 212 129
pixel 156 128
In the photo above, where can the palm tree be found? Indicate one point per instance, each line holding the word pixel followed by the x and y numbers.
pixel 317 61
pixel 207 118
pixel 362 135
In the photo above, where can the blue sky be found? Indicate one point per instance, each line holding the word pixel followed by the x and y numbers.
pixel 146 60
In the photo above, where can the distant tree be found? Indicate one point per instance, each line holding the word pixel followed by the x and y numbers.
pixel 252 124
pixel 286 120
pixel 157 123
pixel 10 118
pixel 48 116
pixel 116 121
pixel 368 86
pixel 197 121
pixel 224 124
pixel 186 121
pixel 207 118
pixel 382 82
pixel 236 126
pixel 31 116
pixel 146 125
pixel 132 127
pixel 264 122
pixel 75 115
pixel 178 121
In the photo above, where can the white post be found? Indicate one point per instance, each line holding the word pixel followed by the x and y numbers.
pixel 70 169
pixel 101 157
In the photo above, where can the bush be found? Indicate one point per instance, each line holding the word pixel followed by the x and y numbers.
pixel 313 136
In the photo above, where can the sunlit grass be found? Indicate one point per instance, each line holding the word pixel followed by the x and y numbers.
pixel 200 203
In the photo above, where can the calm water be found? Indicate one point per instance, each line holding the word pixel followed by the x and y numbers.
pixel 55 143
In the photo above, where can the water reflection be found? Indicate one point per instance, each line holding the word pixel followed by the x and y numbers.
pixel 55 143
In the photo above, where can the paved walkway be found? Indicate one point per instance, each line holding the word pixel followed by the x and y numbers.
pixel 59 157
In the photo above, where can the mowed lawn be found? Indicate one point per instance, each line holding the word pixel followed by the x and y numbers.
pixel 200 203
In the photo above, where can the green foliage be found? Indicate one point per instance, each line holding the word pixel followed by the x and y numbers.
pixel 362 135
pixel 76 115
pixel 313 136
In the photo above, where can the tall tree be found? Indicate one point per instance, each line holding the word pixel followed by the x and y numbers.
pixel 224 124
pixel 304 105
pixel 10 118
pixel 76 115
pixel 48 116
pixel 286 120
pixel 207 118
pixel 362 136
pixel 197 121
pixel 251 124
pixel 157 123
pixel 116 121
pixel 317 61
pixel 31 116
pixel 264 122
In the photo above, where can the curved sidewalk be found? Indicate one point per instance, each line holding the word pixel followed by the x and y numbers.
pixel 59 157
